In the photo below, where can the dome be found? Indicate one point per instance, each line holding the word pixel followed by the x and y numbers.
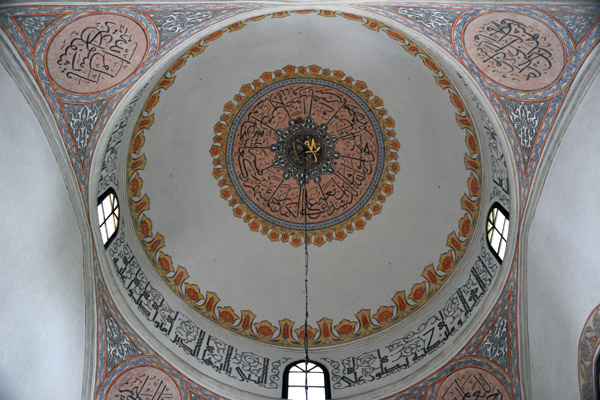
pixel 360 140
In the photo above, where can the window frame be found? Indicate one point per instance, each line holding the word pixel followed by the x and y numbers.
pixel 286 373
pixel 506 214
pixel 101 224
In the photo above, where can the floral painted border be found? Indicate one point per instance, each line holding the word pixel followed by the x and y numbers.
pixel 326 333
pixel 589 344
pixel 317 236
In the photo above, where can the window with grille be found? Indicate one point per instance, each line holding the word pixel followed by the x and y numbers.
pixel 497 230
pixel 311 374
pixel 108 215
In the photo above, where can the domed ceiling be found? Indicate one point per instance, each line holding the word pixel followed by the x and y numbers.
pixel 360 145
pixel 235 135
pixel 354 133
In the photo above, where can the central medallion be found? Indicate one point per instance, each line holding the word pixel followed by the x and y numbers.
pixel 304 151
pixel 305 147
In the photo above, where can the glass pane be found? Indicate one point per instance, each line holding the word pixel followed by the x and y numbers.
pixel 103 232
pixel 500 221
pixel 295 368
pixel 117 212
pixel 115 220
pixel 316 393
pixel 100 214
pixel 298 393
pixel 310 366
pixel 296 378
pixel 114 201
pixel 316 379
pixel 110 227
pixel 505 231
pixel 495 242
pixel 502 249
pixel 106 206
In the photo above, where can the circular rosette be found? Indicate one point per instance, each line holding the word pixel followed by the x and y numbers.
pixel 305 148
pixel 304 151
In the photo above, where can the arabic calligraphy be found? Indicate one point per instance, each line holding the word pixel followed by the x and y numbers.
pixel 309 147
pixel 472 383
pixel 96 52
pixel 323 134
pixel 515 50
pixel 144 383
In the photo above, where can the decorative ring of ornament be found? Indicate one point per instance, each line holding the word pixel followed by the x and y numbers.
pixel 287 333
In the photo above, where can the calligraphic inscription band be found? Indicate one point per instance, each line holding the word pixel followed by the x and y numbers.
pixel 515 50
pixel 144 382
pixel 472 383
pixel 96 52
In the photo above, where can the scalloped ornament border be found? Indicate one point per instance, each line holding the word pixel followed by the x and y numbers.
pixel 287 332
pixel 316 236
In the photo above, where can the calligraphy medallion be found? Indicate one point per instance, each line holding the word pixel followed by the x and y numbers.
pixel 305 145
pixel 144 381
pixel 96 52
pixel 514 50
pixel 472 383
pixel 304 151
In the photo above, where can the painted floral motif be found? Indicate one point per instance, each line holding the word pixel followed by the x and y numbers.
pixel 589 343
pixel 286 332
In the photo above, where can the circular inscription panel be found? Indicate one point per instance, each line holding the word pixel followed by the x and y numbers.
pixel 144 382
pixel 472 383
pixel 305 148
pixel 515 50
pixel 96 52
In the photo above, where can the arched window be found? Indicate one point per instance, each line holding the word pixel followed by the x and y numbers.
pixel 311 373
pixel 108 215
pixel 497 230
pixel 597 376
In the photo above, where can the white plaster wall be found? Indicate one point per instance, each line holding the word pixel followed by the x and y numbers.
pixel 563 277
pixel 41 275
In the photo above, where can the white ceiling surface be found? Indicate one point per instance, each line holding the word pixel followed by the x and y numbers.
pixel 245 268
pixel 42 328
pixel 562 266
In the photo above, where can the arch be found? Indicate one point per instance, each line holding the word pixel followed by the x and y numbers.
pixel 589 357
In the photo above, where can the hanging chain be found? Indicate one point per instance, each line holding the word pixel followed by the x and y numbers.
pixel 306 359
